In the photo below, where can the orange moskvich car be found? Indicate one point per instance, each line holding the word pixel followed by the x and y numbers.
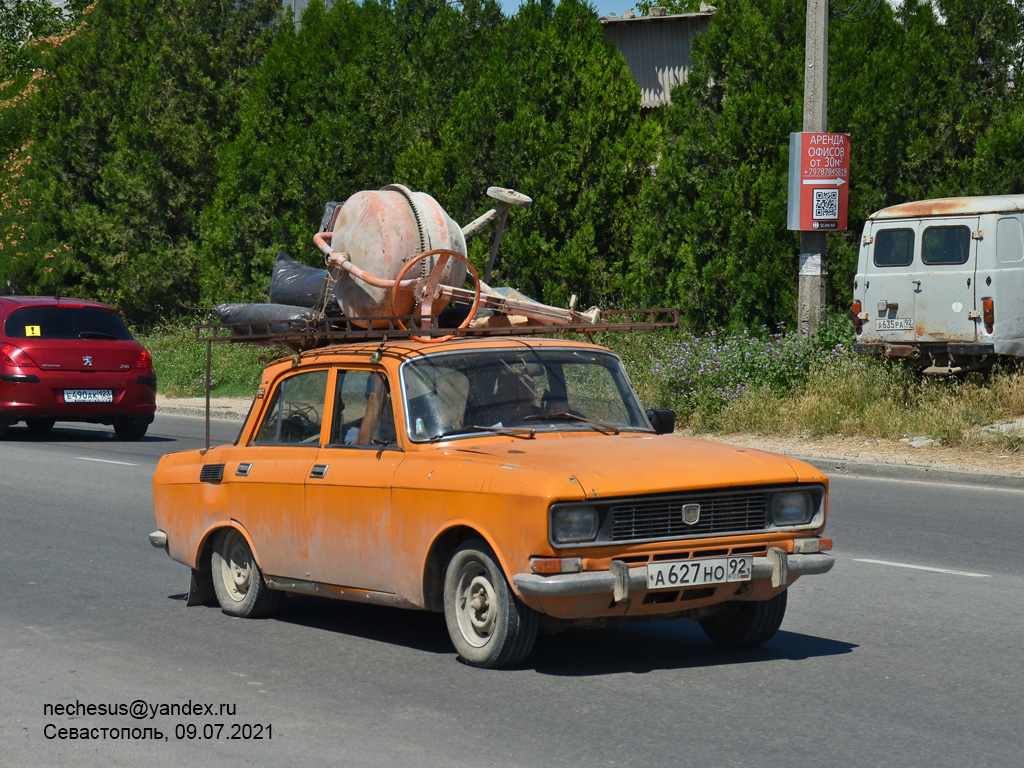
pixel 513 484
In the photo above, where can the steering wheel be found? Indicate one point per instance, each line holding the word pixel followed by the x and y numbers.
pixel 427 290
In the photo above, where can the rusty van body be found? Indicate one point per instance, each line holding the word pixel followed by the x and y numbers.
pixel 514 484
pixel 940 283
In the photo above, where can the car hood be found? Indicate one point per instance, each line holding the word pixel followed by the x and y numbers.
pixel 635 463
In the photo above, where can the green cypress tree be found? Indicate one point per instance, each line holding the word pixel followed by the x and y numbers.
pixel 554 113
pixel 919 102
pixel 124 136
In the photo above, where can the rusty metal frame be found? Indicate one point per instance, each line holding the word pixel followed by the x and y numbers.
pixel 301 335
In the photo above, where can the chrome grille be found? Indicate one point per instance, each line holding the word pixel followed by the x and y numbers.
pixel 662 518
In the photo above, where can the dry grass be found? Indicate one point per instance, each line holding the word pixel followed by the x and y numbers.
pixel 862 398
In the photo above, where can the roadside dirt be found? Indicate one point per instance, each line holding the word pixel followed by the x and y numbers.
pixel 838 448
pixel 857 449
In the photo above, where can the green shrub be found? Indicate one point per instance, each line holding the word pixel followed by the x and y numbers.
pixel 180 364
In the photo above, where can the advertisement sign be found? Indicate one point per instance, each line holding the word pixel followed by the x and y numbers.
pixel 819 181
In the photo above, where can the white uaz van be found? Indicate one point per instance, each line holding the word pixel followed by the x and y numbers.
pixel 940 283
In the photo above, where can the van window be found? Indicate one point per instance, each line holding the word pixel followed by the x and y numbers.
pixel 894 248
pixel 946 245
pixel 1009 242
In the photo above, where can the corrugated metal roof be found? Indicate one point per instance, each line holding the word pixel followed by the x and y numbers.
pixel 657 50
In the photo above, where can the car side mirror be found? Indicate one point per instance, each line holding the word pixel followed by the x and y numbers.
pixel 663 420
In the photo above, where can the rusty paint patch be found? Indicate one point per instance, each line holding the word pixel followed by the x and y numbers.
pixel 952 206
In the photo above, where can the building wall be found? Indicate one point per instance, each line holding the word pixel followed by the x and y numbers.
pixel 657 50
pixel 298 6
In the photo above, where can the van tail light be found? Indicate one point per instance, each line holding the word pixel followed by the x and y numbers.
pixel 858 323
pixel 145 360
pixel 988 314
pixel 15 356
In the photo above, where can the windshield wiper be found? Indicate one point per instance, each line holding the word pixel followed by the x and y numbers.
pixel 96 335
pixel 526 434
pixel 565 416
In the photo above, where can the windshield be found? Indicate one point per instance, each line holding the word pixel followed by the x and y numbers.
pixel 543 390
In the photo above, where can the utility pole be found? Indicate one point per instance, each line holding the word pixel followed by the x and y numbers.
pixel 811 290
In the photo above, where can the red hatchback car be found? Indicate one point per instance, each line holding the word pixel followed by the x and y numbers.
pixel 72 360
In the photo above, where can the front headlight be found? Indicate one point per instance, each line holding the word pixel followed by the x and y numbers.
pixel 792 508
pixel 571 525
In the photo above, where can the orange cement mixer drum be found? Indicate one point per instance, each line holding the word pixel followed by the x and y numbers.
pixel 381 230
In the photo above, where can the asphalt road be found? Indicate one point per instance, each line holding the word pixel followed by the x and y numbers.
pixel 906 654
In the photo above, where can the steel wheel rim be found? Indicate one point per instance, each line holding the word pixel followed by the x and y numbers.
pixel 236 567
pixel 476 605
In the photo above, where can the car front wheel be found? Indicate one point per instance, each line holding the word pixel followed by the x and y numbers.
pixel 488 625
pixel 238 580
pixel 746 624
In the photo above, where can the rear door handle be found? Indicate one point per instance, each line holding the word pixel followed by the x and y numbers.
pixel 318 471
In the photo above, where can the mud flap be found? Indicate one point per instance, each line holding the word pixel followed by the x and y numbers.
pixel 200 589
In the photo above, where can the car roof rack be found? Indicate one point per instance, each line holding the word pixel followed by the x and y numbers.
pixel 306 334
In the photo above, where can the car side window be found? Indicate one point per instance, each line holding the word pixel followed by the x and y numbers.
pixel 363 414
pixel 894 248
pixel 295 411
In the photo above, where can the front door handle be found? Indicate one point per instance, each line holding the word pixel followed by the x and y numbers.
pixel 319 471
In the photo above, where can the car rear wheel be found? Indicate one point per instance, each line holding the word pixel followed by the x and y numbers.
pixel 40 425
pixel 4 427
pixel 238 580
pixel 488 625
pixel 130 428
pixel 746 624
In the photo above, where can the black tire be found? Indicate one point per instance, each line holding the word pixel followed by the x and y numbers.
pixel 130 428
pixel 238 580
pixel 40 425
pixel 746 624
pixel 488 625
pixel 4 427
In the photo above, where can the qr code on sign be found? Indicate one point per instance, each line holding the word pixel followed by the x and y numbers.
pixel 826 204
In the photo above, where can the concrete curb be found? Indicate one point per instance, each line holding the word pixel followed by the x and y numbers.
pixel 912 472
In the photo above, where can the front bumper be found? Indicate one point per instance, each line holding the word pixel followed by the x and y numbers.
pixel 782 568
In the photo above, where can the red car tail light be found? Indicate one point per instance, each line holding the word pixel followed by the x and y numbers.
pixel 857 321
pixel 145 360
pixel 15 356
pixel 988 314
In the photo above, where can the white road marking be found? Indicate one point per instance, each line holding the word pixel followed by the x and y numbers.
pixel 107 461
pixel 924 568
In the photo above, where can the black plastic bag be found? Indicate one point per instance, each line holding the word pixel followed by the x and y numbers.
pixel 297 285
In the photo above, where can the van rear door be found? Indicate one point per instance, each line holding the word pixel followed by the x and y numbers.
pixel 890 266
pixel 944 299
